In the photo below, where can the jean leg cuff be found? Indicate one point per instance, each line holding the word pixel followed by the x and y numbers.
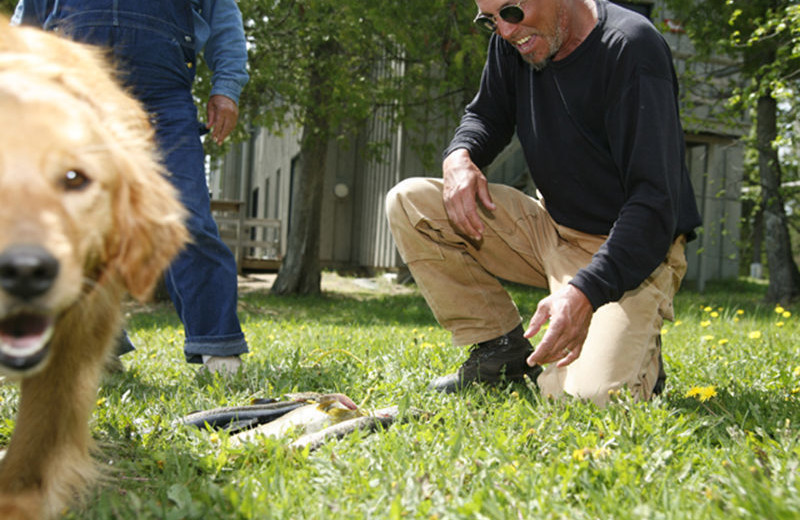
pixel 233 345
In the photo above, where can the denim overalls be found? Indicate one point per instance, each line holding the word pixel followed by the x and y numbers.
pixel 153 42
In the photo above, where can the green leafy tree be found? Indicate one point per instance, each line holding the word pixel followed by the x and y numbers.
pixel 327 66
pixel 7 7
pixel 766 35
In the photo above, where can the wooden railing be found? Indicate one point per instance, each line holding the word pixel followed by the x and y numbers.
pixel 255 242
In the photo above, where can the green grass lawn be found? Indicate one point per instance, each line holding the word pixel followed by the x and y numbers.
pixel 722 442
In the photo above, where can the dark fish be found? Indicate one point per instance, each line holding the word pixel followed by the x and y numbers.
pixel 236 418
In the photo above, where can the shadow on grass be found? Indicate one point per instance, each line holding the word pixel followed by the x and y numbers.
pixel 411 309
pixel 742 293
pixel 339 309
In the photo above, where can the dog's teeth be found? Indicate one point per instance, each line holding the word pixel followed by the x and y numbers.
pixel 25 335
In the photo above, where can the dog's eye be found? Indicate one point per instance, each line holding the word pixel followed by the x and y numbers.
pixel 75 180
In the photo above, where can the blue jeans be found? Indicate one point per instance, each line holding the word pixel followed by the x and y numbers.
pixel 153 42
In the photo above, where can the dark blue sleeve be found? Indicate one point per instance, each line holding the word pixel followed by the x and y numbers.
pixel 646 138
pixel 490 120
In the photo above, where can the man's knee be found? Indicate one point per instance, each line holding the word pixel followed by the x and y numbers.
pixel 410 196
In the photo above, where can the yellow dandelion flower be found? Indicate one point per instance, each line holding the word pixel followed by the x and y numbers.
pixel 707 337
pixel 779 324
pixel 786 314
pixel 707 309
pixel 714 314
pixel 779 309
pixel 705 323
pixel 723 341
pixel 796 372
pixel 755 334
pixel 580 454
pixel 707 393
pixel 702 393
pixel 677 322
pixel 740 312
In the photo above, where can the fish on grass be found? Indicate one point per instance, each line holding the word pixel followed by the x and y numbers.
pixel 312 417
pixel 237 418
pixel 367 423
pixel 324 411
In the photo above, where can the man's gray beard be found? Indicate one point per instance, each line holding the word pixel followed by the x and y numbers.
pixel 539 65
pixel 555 45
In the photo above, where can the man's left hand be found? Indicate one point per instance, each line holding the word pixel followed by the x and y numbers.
pixel 569 313
pixel 222 116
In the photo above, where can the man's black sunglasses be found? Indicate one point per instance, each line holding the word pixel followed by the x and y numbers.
pixel 509 13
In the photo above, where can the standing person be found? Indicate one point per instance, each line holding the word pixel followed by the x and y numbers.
pixel 155 44
pixel 590 89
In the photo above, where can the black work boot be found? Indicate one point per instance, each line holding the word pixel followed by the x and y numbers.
pixel 490 362
pixel 661 379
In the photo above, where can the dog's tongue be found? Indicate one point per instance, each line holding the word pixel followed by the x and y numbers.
pixel 24 333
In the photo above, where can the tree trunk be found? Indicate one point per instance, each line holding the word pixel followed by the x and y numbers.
pixel 300 271
pixel 784 278
pixel 757 236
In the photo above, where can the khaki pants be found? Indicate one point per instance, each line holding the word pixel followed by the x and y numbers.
pixel 521 243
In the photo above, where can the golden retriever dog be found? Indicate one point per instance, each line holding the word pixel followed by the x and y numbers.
pixel 86 215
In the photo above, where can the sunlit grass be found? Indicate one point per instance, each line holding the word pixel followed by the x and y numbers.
pixel 721 442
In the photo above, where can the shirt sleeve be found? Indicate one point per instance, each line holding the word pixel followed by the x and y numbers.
pixel 32 12
pixel 225 50
pixel 646 138
pixel 489 120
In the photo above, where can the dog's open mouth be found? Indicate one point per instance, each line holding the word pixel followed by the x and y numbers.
pixel 24 339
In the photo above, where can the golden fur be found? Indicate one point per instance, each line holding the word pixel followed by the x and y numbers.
pixel 85 215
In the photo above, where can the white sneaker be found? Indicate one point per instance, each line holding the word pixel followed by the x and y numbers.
pixel 222 365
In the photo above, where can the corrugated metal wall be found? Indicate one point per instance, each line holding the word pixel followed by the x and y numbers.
pixel 377 249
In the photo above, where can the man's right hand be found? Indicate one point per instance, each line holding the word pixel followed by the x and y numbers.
pixel 464 187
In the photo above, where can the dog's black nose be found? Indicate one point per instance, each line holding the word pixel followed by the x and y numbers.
pixel 27 270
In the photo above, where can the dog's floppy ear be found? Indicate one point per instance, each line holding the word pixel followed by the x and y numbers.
pixel 150 230
pixel 148 216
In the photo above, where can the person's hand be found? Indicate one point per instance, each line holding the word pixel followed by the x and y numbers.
pixel 570 313
pixel 464 187
pixel 222 116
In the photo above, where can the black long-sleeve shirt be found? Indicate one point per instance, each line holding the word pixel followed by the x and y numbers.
pixel 601 133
